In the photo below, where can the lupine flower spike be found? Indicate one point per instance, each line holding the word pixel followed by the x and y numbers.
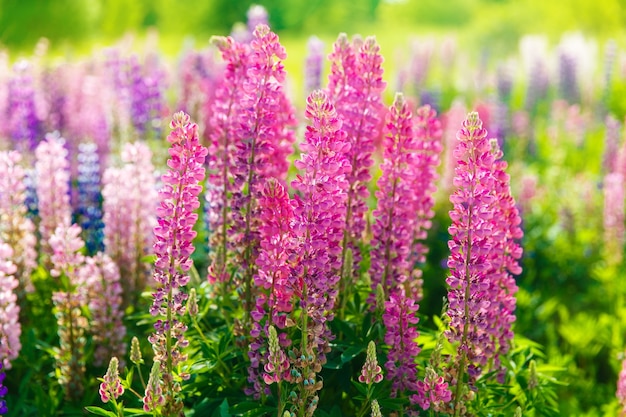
pixel 53 182
pixel 371 373
pixel 129 202
pixel 483 254
pixel 319 211
pixel 111 387
pixel 173 247
pixel 470 241
pixel 355 86
pixel 153 398
pixel 264 140
pixel 273 279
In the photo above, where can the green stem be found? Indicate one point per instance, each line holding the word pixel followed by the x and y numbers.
pixel 143 382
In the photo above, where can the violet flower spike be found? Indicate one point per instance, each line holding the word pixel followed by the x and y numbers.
pixel 174 236
pixel 428 147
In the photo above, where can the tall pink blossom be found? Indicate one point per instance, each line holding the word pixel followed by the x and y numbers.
pixel 129 202
pixel 428 133
pixel 17 230
pixel 222 129
pixel 173 247
pixel 10 327
pixel 401 333
pixel 53 182
pixel 470 257
pixel 264 140
pixel 404 199
pixel 275 288
pixel 319 210
pixel 355 86
pixel 505 255
pixel 614 216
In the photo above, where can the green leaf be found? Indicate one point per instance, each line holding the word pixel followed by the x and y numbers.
pixel 100 411
pixel 351 353
pixel 243 407
pixel 224 408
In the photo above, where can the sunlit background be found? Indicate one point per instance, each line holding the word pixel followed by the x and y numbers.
pixel 76 25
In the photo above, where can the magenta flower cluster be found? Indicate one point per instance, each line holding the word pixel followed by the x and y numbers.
pixel 173 244
pixel 273 279
pixel 251 135
pixel 320 210
pixel 485 225
pixel 263 142
pixel 355 87
pixel 400 320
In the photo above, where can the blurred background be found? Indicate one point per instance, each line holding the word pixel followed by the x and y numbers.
pixel 496 24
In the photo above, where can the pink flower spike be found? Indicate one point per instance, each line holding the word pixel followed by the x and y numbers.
pixel 174 244
pixel 53 182
pixel 319 217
